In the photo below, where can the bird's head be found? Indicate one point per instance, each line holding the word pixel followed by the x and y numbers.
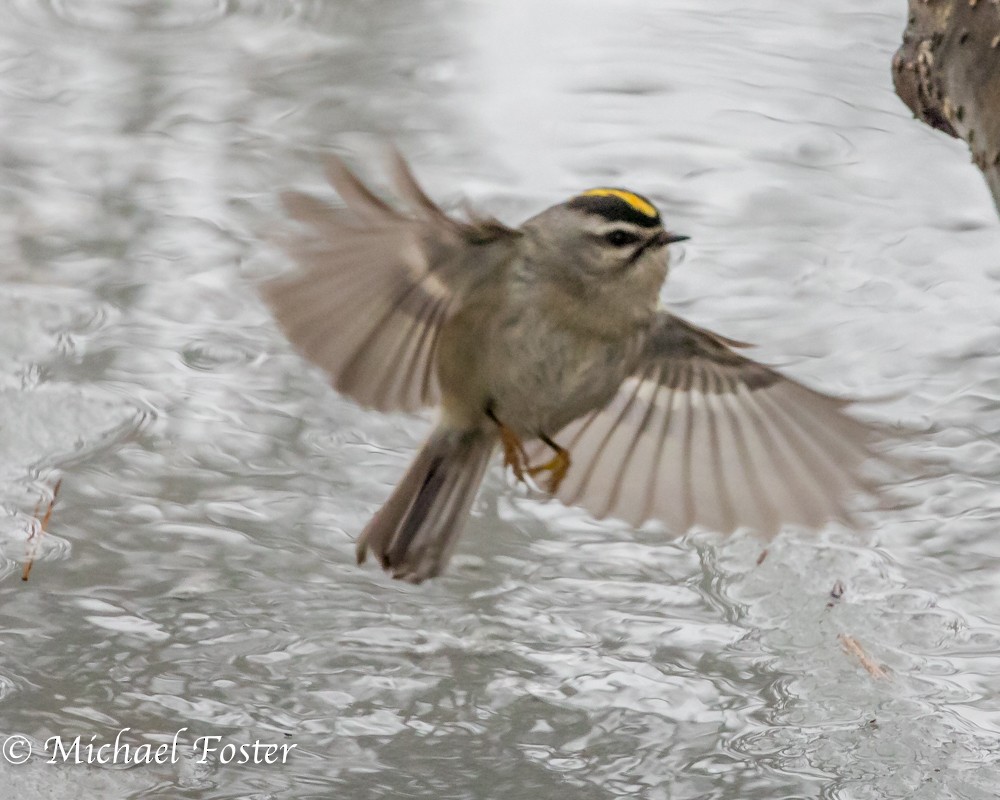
pixel 606 241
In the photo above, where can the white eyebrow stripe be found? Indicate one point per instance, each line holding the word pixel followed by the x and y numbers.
pixel 638 230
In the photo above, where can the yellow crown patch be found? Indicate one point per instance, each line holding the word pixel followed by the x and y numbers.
pixel 633 200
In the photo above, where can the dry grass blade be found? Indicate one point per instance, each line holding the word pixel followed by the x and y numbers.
pixel 853 647
pixel 36 534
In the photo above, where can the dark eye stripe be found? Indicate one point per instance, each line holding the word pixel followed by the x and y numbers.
pixel 619 237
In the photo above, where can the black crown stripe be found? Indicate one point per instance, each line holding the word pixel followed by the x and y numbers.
pixel 612 205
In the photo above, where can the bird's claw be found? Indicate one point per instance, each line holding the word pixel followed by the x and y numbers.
pixel 514 455
pixel 557 467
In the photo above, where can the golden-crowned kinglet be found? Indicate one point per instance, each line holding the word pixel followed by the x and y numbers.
pixel 548 339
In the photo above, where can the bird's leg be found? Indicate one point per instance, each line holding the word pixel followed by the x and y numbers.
pixel 513 449
pixel 557 466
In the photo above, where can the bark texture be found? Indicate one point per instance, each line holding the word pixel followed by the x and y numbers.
pixel 948 72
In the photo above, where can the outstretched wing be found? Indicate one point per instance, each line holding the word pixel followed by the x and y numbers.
pixel 701 435
pixel 376 284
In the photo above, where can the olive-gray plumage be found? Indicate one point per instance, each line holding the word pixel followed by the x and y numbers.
pixel 551 330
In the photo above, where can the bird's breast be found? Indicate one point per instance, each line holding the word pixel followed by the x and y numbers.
pixel 540 375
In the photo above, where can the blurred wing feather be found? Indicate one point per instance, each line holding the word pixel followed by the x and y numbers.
pixel 376 284
pixel 701 435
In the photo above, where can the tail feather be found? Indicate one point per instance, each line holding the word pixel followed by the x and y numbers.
pixel 414 533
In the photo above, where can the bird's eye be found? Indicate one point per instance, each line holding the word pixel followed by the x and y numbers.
pixel 620 238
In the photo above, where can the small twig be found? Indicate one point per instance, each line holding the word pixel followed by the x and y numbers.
pixel 852 647
pixel 762 556
pixel 36 534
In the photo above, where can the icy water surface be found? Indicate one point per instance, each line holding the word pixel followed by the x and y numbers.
pixel 198 570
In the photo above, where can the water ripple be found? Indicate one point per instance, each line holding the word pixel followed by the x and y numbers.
pixel 126 16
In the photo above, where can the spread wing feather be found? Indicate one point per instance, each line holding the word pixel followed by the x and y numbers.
pixel 701 435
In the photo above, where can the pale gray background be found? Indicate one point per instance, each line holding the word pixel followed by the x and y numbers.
pixel 199 569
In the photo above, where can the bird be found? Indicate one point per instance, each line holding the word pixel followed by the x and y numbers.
pixel 549 342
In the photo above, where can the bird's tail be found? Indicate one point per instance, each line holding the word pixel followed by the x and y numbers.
pixel 413 534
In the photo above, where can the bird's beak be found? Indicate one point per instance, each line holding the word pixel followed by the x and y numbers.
pixel 671 238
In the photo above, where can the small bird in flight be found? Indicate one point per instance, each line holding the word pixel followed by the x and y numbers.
pixel 549 340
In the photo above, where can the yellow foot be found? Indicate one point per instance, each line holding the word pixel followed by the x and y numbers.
pixel 513 449
pixel 557 468
pixel 513 452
